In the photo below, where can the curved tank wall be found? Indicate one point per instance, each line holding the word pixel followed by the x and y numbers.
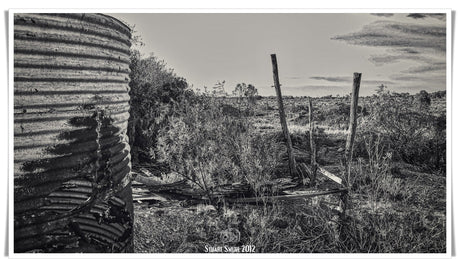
pixel 72 189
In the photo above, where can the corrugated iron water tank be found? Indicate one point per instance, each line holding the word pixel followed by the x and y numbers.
pixel 72 190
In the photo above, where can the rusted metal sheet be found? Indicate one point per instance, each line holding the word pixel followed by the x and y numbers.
pixel 72 190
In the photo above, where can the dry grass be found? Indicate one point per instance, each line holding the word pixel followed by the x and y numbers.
pixel 412 223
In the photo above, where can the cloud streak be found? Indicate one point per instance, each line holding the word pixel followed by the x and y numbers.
pixel 408 50
pixel 398 35
pixel 394 58
pixel 420 78
pixel 294 77
pixel 386 15
pixel 437 66
pixel 331 79
pixel 349 80
pixel 438 16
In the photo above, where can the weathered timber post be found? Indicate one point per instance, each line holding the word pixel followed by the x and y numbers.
pixel 292 167
pixel 314 166
pixel 350 139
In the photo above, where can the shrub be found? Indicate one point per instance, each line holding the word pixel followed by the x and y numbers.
pixel 246 96
pixel 373 177
pixel 414 135
pixel 209 147
pixel 424 99
pixel 153 88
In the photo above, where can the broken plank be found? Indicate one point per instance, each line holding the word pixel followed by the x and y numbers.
pixel 330 175
pixel 292 196
pixel 147 180
pixel 150 198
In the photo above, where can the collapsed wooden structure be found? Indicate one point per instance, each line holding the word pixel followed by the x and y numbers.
pixel 288 188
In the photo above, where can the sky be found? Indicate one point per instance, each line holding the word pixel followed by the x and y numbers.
pixel 317 53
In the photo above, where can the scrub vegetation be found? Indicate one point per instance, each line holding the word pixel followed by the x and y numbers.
pixel 210 139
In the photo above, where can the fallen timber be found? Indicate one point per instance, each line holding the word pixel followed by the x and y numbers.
pixel 291 196
pixel 150 189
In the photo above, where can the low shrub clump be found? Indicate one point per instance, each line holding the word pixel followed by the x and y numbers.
pixel 412 131
pixel 209 147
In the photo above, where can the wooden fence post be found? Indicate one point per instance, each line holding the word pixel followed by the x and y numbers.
pixel 292 167
pixel 350 140
pixel 314 166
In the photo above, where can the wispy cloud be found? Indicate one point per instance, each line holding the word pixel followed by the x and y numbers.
pixel 394 58
pixel 294 77
pixel 386 15
pixel 376 82
pixel 436 66
pixel 349 80
pixel 439 16
pixel 398 35
pixel 408 50
pixel 331 79
pixel 420 78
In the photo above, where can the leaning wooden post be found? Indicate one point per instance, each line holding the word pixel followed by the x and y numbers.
pixel 292 167
pixel 314 166
pixel 350 139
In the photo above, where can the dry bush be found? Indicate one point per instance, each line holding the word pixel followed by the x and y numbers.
pixel 153 88
pixel 415 135
pixel 372 177
pixel 209 147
